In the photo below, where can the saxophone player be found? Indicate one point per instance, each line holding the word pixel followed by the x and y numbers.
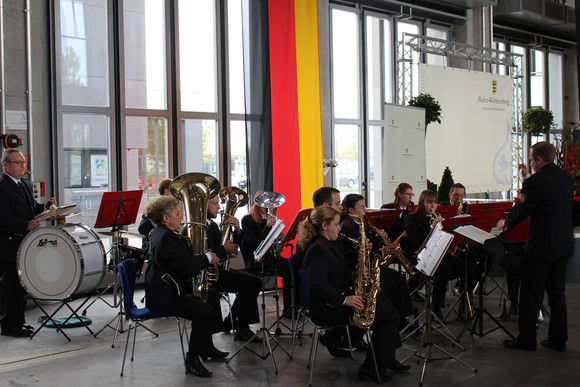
pixel 393 283
pixel 170 267
pixel 332 288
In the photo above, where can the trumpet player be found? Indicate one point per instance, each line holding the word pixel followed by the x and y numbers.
pixel 246 286
pixel 418 225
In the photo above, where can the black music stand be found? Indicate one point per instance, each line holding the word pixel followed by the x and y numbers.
pixel 117 209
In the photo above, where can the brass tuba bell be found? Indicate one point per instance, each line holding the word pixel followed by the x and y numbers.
pixel 233 197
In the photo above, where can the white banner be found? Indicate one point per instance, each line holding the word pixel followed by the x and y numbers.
pixel 404 149
pixel 474 137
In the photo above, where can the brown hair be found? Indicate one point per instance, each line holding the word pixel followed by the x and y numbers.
pixel 399 190
pixel 544 150
pixel 323 195
pixel 425 195
pixel 160 206
pixel 163 185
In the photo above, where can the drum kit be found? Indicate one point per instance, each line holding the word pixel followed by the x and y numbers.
pixel 68 261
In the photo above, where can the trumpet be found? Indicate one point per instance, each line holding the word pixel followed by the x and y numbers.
pixel 434 216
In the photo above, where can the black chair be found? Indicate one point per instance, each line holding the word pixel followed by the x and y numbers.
pixel 127 274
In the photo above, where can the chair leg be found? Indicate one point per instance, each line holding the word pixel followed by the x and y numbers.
pixel 368 333
pixel 313 351
pixel 349 343
pixel 126 346
pixel 180 332
pixel 134 340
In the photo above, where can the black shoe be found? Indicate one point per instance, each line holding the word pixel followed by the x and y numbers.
pixel 515 344
pixel 193 366
pixel 333 347
pixel 27 327
pixel 555 347
pixel 397 367
pixel 17 332
pixel 245 334
pixel 365 373
pixel 213 353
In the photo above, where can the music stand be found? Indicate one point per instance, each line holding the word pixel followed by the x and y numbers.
pixel 264 332
pixel 293 229
pixel 117 209
pixel 383 219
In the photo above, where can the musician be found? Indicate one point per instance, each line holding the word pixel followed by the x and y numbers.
pixel 403 201
pixel 332 289
pixel 418 225
pixel 456 196
pixel 246 286
pixel 256 225
pixel 146 226
pixel 327 196
pixel 393 283
pixel 171 266
pixel 17 211
pixel 546 197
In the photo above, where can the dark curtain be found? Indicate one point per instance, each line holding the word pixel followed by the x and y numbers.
pixel 257 95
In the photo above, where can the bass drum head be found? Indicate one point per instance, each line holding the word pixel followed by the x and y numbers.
pixel 54 262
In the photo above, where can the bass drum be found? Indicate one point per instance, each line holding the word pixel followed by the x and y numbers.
pixel 55 263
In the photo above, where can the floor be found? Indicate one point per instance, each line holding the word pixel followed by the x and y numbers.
pixel 50 360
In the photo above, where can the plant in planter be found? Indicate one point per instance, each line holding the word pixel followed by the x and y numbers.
pixel 445 186
pixel 431 106
pixel 537 121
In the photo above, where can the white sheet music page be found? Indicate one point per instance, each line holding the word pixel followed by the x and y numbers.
pixel 433 250
pixel 269 240
pixel 473 233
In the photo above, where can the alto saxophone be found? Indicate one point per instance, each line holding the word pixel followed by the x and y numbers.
pixel 398 254
pixel 367 289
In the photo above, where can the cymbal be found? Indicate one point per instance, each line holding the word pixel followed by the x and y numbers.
pixel 121 234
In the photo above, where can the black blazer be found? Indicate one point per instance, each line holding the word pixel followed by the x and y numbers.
pixel 417 228
pixel 214 240
pixel 329 278
pixel 546 197
pixel 399 226
pixel 254 233
pixel 169 254
pixel 15 212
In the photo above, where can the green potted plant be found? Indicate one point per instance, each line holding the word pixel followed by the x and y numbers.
pixel 445 186
pixel 537 121
pixel 431 106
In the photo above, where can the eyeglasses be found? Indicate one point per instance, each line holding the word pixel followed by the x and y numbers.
pixel 17 162
pixel 409 194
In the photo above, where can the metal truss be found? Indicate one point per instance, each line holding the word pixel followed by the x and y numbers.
pixel 411 45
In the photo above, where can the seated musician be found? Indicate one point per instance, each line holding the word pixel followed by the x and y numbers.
pixel 146 226
pixel 256 225
pixel 332 289
pixel 246 286
pixel 456 197
pixel 403 201
pixel 171 266
pixel 418 225
pixel 393 283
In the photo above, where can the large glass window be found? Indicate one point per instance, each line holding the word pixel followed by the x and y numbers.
pixel 537 80
pixel 556 92
pixel 379 65
pixel 346 152
pixel 199 146
pixel 438 33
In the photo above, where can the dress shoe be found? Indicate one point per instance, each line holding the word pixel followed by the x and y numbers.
pixel 17 332
pixel 333 347
pixel 193 366
pixel 555 347
pixel 515 344
pixel 27 327
pixel 213 353
pixel 245 334
pixel 365 372
pixel 397 367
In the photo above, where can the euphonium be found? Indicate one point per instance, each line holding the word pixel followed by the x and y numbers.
pixel 234 197
pixel 398 254
pixel 271 201
pixel 367 289
pixel 195 190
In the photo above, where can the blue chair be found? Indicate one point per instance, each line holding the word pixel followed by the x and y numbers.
pixel 127 274
pixel 298 304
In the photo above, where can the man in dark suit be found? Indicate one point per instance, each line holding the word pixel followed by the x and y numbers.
pixel 546 197
pixel 246 286
pixel 17 211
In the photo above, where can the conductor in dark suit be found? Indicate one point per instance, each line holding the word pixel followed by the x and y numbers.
pixel 546 197
pixel 17 211
pixel 171 266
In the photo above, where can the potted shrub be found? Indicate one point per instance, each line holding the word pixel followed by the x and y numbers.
pixel 537 121
pixel 431 106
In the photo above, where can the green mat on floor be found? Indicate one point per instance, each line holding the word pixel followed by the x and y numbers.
pixel 73 322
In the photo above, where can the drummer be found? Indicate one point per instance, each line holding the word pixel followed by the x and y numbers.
pixel 17 211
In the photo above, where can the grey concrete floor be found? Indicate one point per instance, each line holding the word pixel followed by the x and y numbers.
pixel 50 360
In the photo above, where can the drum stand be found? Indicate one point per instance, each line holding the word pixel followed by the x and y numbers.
pixel 50 317
pixel 264 334
pixel 427 342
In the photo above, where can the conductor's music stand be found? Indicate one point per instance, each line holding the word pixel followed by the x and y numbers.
pixel 117 209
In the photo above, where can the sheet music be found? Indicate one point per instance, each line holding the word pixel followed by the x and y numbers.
pixel 473 233
pixel 265 245
pixel 433 250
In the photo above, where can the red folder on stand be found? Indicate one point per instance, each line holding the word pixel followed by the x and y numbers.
pixel 383 219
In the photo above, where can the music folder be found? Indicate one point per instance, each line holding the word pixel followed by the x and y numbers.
pixel 265 245
pixel 433 250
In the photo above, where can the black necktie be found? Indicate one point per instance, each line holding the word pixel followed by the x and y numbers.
pixel 23 190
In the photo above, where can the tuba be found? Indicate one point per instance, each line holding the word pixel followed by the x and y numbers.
pixel 271 201
pixel 195 190
pixel 367 289
pixel 233 197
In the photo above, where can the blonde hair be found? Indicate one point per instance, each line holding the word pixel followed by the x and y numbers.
pixel 159 207
pixel 309 227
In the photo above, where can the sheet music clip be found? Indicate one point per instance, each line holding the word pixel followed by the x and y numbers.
pixel 265 245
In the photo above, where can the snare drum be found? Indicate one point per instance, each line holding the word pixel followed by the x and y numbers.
pixel 55 263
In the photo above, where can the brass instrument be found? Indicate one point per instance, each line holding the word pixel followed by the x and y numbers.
pixel 398 254
pixel 271 201
pixel 234 197
pixel 195 190
pixel 462 247
pixel 434 216
pixel 367 289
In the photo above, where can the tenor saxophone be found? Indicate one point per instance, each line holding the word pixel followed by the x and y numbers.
pixel 367 289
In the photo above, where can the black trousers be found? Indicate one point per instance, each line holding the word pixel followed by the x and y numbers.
pixel 247 287
pixel 448 269
pixel 394 287
pixel 539 277
pixel 201 316
pixel 282 268
pixel 12 297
